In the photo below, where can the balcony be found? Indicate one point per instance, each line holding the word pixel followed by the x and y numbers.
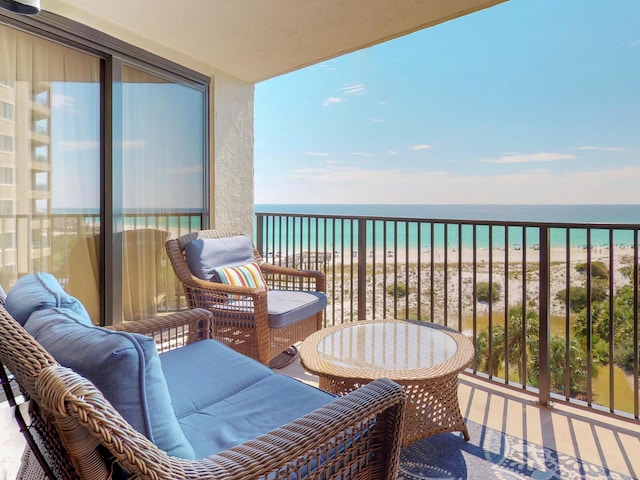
pixel 557 276
pixel 565 292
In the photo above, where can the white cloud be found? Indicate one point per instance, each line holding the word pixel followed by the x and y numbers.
pixel 392 152
pixel 353 89
pixel 65 102
pixel 634 44
pixel 315 154
pixel 361 154
pixel 377 120
pixel 80 146
pixel 605 149
pixel 349 175
pixel 357 185
pixel 133 144
pixel 421 147
pixel 331 101
pixel 532 157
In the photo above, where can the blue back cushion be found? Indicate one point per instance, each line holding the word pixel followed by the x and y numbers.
pixel 125 367
pixel 206 254
pixel 39 291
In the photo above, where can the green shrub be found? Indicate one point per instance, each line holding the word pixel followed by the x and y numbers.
pixel 578 295
pixel 398 290
pixel 483 294
pixel 598 270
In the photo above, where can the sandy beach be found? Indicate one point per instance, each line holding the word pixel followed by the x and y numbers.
pixel 460 273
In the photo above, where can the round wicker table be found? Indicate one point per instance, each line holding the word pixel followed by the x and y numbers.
pixel 422 357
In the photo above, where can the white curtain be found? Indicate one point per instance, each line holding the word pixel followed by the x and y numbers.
pixel 54 91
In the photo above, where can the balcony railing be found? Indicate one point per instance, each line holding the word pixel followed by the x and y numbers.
pixel 48 243
pixel 552 308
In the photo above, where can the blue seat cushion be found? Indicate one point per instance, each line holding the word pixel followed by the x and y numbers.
pixel 289 306
pixel 253 411
pixel 206 372
pixel 125 367
pixel 203 255
pixel 40 291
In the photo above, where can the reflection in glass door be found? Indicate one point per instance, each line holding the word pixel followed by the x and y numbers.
pixel 162 184
pixel 49 164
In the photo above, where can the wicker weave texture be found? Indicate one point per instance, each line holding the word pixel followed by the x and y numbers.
pixel 244 323
pixel 428 369
pixel 357 436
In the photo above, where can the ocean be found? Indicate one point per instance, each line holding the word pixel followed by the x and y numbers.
pixel 629 214
pixel 335 233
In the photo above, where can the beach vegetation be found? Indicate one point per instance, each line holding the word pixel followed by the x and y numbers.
pixel 578 295
pixel 620 329
pixel 397 290
pixel 626 260
pixel 487 294
pixel 598 270
pixel 627 272
pixel 423 316
pixel 509 350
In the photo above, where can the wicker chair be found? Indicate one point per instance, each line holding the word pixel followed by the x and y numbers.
pixel 244 325
pixel 356 436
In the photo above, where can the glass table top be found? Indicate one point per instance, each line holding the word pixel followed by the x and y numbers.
pixel 386 346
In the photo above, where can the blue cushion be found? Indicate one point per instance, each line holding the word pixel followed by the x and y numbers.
pixel 39 291
pixel 288 306
pixel 261 407
pixel 225 372
pixel 205 254
pixel 124 367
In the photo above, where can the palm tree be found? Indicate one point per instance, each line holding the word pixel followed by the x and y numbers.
pixel 513 338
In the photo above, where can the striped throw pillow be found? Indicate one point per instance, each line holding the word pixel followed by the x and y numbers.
pixel 248 275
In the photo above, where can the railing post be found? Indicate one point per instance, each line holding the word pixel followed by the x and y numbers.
pixel 259 234
pixel 362 269
pixel 544 335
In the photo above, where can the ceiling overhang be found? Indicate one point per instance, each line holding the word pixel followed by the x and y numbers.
pixel 254 40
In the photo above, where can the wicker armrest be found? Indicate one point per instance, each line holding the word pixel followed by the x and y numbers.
pixel 361 430
pixel 284 277
pixel 174 330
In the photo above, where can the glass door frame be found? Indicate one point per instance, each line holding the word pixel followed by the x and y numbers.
pixel 114 55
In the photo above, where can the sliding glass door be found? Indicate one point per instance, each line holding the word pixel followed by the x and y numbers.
pixel 162 184
pixel 102 158
pixel 50 162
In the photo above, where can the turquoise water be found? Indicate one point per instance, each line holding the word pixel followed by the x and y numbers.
pixel 401 235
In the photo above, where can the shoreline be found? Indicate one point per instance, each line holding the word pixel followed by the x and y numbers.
pixel 454 256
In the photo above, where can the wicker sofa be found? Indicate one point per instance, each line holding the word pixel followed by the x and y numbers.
pixel 159 399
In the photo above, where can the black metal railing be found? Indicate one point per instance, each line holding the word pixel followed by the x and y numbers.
pixel 67 245
pixel 552 308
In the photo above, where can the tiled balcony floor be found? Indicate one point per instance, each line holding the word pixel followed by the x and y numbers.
pixel 598 439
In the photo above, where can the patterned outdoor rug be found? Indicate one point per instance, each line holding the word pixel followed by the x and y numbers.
pixel 491 454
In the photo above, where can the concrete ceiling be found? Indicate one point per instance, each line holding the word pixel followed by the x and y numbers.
pixel 255 40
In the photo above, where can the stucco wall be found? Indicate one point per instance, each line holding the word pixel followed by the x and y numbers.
pixel 232 154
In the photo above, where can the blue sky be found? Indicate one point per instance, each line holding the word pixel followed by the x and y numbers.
pixel 528 102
